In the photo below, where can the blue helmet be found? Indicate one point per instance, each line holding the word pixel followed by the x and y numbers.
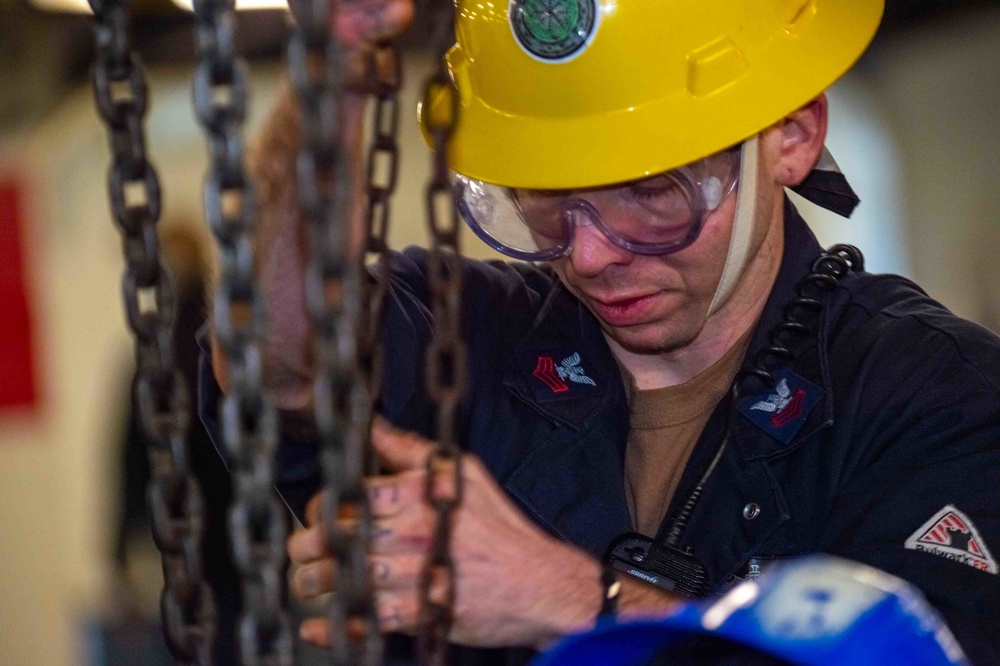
pixel 816 611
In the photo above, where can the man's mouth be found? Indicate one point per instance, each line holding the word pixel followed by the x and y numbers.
pixel 624 311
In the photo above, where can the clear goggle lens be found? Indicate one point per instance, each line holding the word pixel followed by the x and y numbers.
pixel 655 215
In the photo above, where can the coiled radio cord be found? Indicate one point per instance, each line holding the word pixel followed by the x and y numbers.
pixel 799 314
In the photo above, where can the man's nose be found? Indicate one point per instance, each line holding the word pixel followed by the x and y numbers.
pixel 593 251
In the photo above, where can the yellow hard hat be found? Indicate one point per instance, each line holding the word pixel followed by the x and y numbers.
pixel 561 94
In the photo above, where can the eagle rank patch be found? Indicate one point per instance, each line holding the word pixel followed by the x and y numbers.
pixel 951 535
pixel 554 376
pixel 561 379
pixel 780 411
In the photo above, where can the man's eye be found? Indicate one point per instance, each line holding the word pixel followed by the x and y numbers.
pixel 650 192
pixel 539 194
pixel 663 192
pixel 653 187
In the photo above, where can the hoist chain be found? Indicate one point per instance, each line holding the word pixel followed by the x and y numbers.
pixel 446 372
pixel 257 518
pixel 160 393
pixel 344 305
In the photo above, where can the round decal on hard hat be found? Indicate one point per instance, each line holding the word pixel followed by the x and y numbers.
pixel 554 30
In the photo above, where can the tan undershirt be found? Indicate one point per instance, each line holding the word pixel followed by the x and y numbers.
pixel 664 426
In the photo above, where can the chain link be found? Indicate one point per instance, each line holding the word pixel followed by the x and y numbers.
pixel 345 306
pixel 446 371
pixel 257 519
pixel 160 393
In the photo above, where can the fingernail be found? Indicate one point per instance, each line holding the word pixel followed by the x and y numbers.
pixel 307 633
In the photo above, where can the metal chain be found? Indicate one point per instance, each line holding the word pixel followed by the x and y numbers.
pixel 257 519
pixel 446 372
pixel 344 306
pixel 160 393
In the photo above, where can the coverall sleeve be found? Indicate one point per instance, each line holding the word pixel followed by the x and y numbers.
pixel 926 426
pixel 496 296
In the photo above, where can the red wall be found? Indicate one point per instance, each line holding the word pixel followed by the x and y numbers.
pixel 18 381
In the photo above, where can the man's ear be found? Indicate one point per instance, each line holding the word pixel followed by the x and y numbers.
pixel 803 134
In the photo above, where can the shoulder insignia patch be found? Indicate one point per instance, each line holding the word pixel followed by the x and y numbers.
pixel 781 411
pixel 555 376
pixel 570 369
pixel 546 371
pixel 951 535
pixel 561 379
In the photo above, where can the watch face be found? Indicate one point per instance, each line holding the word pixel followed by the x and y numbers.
pixel 554 30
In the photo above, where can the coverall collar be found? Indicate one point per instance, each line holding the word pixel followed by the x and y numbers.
pixel 565 328
pixel 591 419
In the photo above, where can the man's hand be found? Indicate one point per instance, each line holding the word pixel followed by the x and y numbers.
pixel 515 585
pixel 280 238
pixel 366 21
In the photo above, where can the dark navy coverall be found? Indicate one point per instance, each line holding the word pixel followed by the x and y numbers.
pixel 889 414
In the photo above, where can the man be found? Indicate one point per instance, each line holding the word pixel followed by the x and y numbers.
pixel 642 150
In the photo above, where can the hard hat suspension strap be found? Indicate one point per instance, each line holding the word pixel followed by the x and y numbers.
pixel 746 213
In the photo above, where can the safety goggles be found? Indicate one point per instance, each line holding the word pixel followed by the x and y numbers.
pixel 656 215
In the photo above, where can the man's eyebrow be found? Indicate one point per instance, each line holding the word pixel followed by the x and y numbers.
pixel 543 193
pixel 585 190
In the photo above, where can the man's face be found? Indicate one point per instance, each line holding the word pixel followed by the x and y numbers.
pixel 648 304
pixel 651 304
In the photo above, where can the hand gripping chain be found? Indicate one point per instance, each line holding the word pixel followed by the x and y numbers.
pixel 446 371
pixel 162 401
pixel 344 304
pixel 257 519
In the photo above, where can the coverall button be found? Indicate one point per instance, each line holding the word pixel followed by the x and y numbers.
pixel 751 511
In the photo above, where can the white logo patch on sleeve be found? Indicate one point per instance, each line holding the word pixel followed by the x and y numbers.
pixel 950 534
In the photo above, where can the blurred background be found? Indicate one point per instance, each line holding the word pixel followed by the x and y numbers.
pixel 915 126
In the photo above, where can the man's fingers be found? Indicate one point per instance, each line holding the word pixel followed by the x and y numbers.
pixel 397 612
pixel 313 579
pixel 307 545
pixel 313 508
pixel 397 449
pixel 398 573
pixel 372 21
pixel 386 573
pixel 388 495
pixel 316 631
